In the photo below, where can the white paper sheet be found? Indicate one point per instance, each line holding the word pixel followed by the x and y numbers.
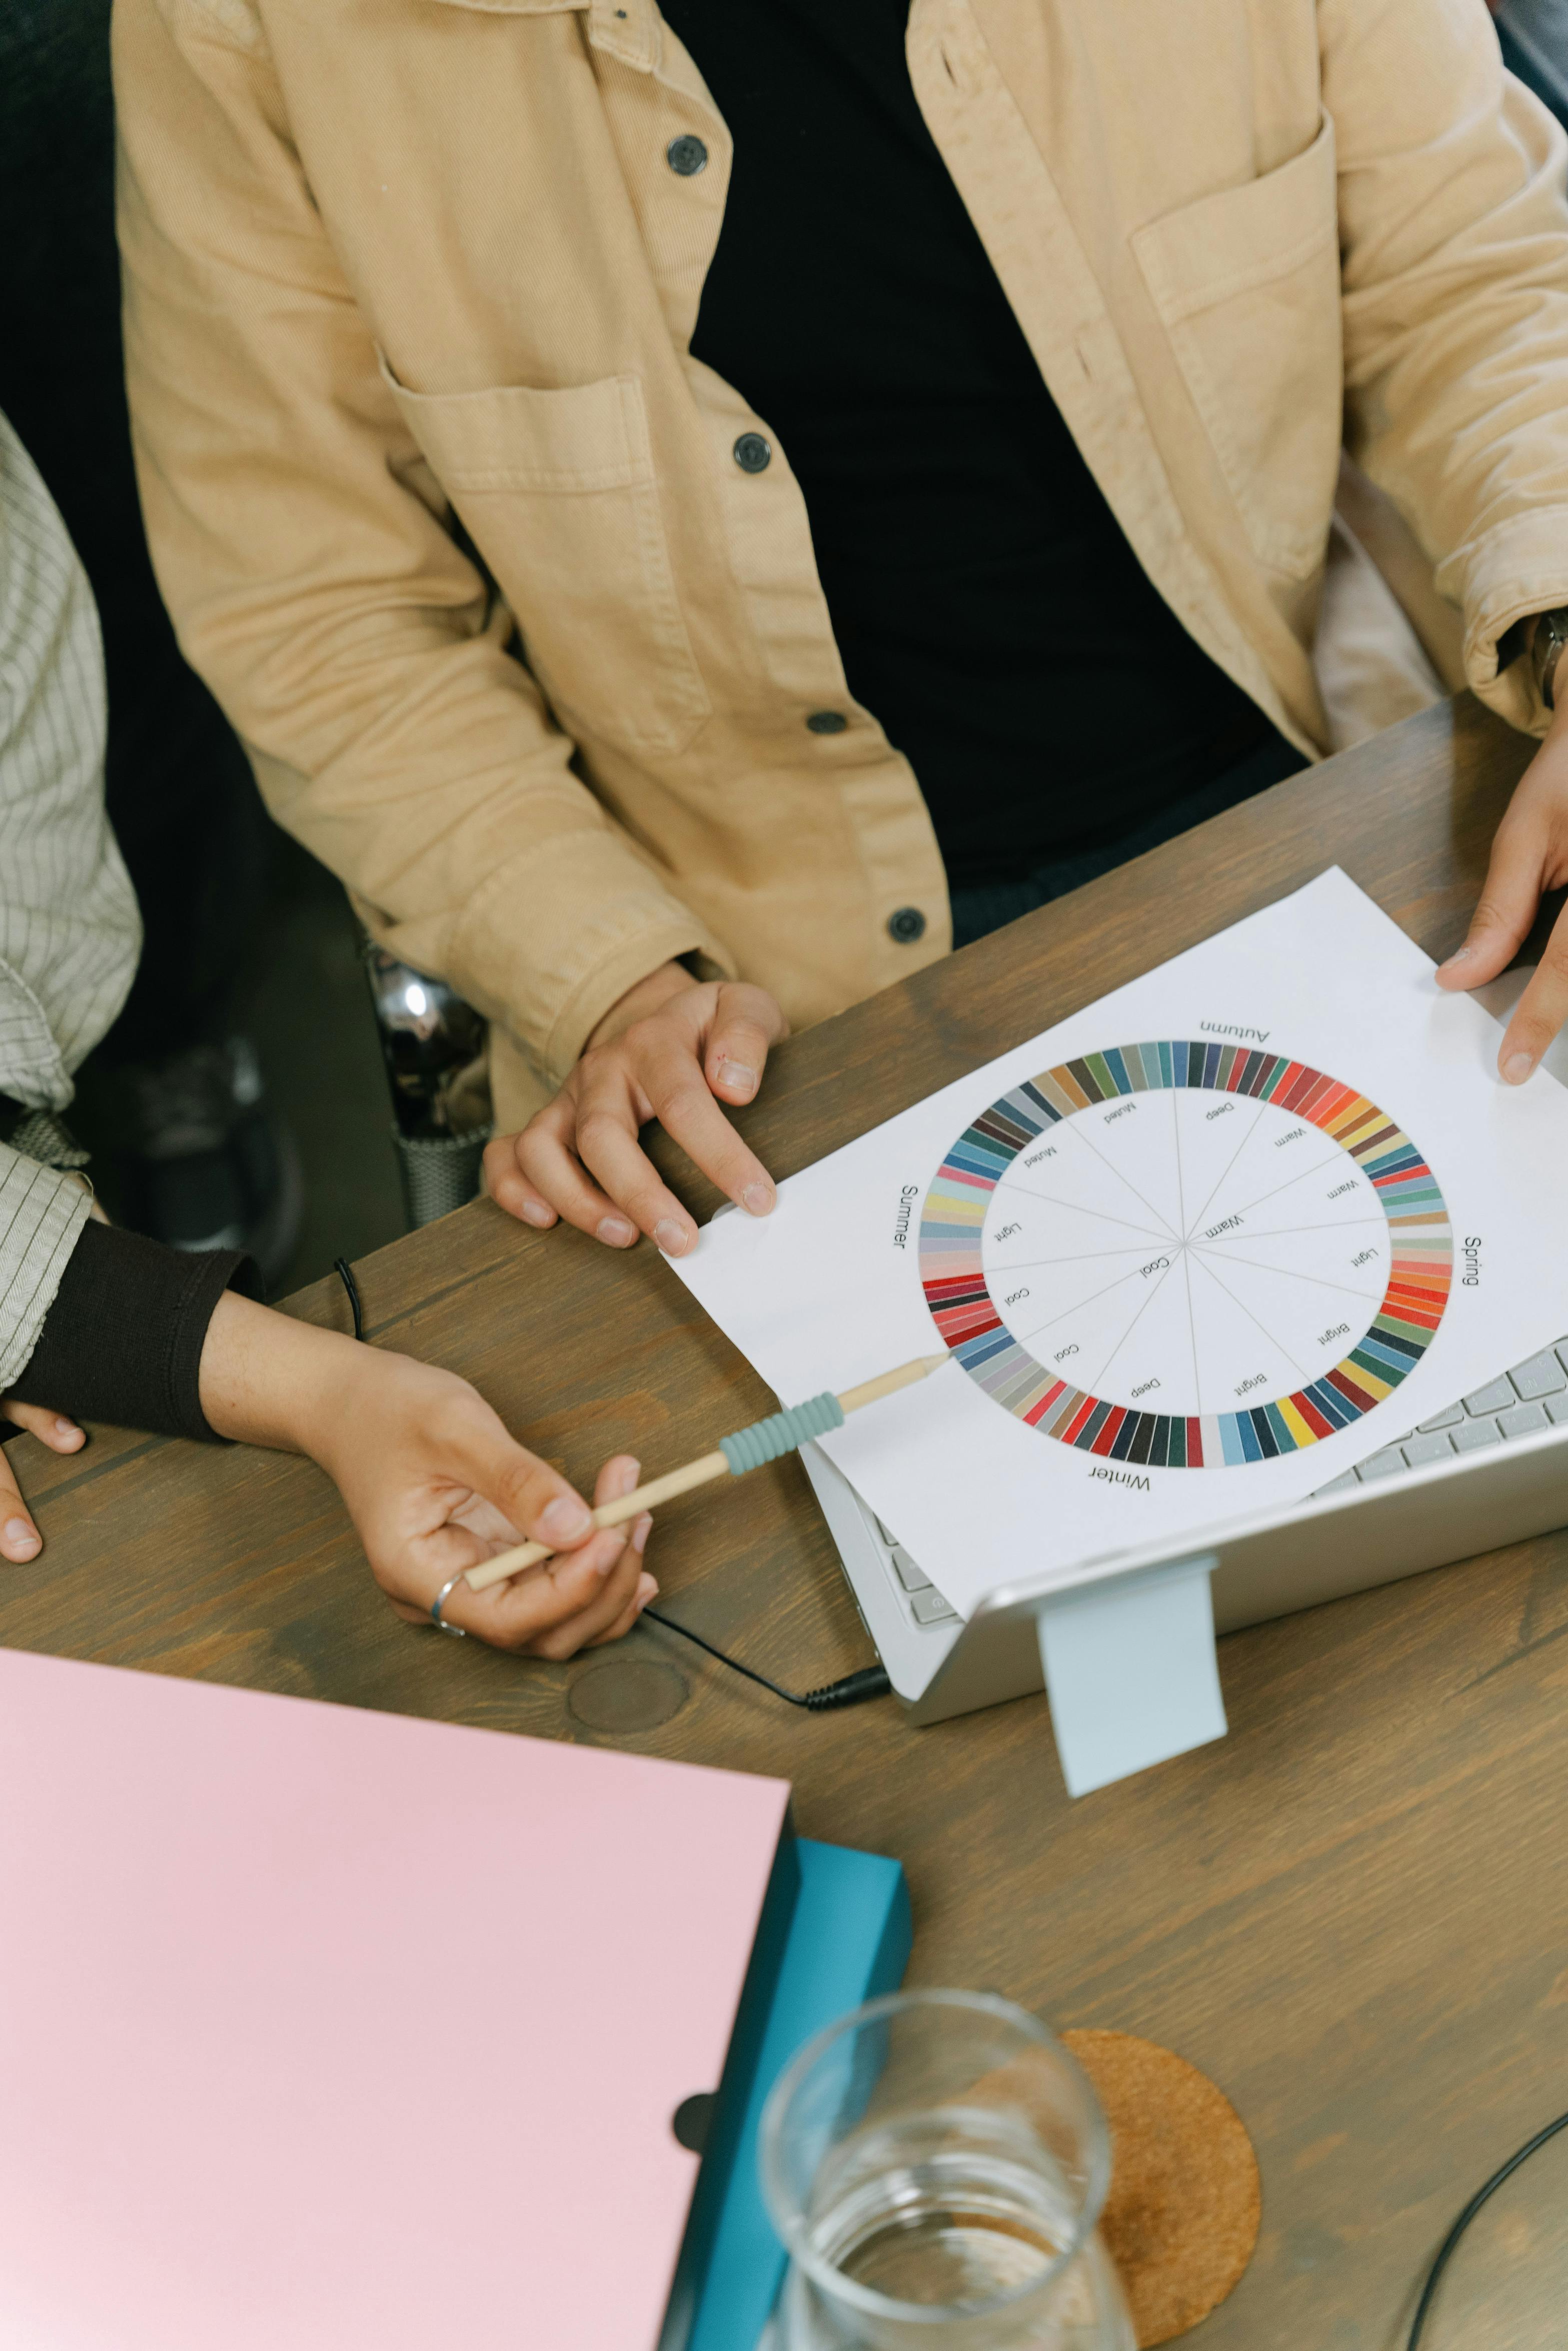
pixel 1130 1672
pixel 1098 1270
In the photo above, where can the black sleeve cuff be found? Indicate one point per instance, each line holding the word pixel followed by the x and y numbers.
pixel 123 1342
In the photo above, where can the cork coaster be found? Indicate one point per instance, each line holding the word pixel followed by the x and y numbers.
pixel 1183 2214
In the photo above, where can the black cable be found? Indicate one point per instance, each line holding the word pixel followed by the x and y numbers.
pixel 1507 2170
pixel 345 1273
pixel 852 1690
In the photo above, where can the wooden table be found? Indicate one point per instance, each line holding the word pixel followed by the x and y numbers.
pixel 1352 1912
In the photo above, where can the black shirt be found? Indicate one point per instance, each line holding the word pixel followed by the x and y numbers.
pixel 982 593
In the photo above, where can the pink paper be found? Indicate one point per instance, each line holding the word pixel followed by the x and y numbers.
pixel 325 2029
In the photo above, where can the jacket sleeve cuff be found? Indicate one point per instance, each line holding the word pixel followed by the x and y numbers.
pixel 1513 571
pixel 557 934
pixel 122 1338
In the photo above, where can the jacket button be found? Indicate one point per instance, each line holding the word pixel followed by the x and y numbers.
pixel 907 925
pixel 753 454
pixel 827 722
pixel 687 155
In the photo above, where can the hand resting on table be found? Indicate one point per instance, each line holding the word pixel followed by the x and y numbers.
pixel 673 1048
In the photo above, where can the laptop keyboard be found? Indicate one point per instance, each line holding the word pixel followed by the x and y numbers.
pixel 924 1603
pixel 1531 1397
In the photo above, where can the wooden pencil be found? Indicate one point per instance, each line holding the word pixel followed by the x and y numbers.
pixel 748 1450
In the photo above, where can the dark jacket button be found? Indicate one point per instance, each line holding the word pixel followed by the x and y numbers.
pixel 752 453
pixel 827 722
pixel 686 155
pixel 907 925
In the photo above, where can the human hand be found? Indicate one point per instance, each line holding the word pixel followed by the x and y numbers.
pixel 433 1481
pixel 666 1050
pixel 19 1537
pixel 1530 855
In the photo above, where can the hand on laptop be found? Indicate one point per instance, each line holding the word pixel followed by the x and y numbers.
pixel 1529 856
pixel 673 1048
pixel 432 1479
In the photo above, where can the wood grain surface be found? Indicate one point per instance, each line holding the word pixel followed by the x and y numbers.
pixel 1352 1913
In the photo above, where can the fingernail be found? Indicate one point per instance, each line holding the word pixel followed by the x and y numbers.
pixel 736 1074
pixel 19 1539
pixel 647 1589
pixel 565 1518
pixel 672 1238
pixel 64 1428
pixel 640 1534
pixel 1517 1068
pixel 616 1231
pixel 1460 954
pixel 757 1198
pixel 534 1212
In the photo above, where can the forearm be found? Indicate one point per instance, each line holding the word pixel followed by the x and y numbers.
pixel 268 1379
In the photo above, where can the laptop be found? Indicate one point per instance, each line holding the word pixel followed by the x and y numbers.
pixel 1490 1470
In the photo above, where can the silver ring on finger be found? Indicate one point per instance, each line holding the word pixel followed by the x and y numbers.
pixel 458 1632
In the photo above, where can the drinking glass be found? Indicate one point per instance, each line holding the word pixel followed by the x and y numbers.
pixel 935 2164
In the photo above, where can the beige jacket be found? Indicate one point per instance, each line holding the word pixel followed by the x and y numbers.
pixel 392 270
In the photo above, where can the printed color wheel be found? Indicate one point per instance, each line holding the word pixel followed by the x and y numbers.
pixel 1185 1254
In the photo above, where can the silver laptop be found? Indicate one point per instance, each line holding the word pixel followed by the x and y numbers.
pixel 1490 1470
pixel 1493 1470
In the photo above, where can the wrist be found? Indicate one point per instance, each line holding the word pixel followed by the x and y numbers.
pixel 639 1001
pixel 266 1379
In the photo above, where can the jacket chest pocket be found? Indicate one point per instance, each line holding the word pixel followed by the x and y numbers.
pixel 1247 282
pixel 557 490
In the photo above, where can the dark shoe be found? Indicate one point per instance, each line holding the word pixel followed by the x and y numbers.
pixel 209 1163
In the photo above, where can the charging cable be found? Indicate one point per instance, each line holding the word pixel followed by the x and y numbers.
pixel 1445 2251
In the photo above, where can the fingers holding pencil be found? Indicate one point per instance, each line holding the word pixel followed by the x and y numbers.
pixel 583 1598
pixel 601 1603
pixel 748 1448
pixel 573 1599
pixel 612 1513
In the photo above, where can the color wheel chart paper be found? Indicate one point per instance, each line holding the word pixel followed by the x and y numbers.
pixel 1193 1252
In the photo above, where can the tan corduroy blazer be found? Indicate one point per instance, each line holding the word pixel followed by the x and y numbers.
pixel 411 284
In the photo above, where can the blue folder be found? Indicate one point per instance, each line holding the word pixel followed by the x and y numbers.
pixel 848 1941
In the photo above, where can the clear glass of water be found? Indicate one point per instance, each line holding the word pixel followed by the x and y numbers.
pixel 936 2163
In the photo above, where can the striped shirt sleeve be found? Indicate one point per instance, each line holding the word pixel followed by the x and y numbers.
pixel 42 1212
pixel 70 931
